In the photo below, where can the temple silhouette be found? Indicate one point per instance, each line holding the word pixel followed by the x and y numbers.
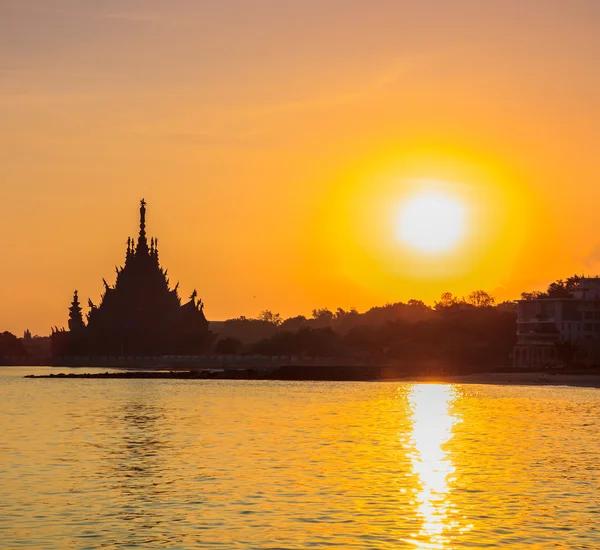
pixel 140 315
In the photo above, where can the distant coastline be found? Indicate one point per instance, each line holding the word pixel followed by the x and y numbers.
pixel 556 377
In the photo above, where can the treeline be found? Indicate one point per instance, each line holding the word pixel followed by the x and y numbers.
pixel 471 330
pixel 458 330
pixel 455 331
pixel 561 288
pixel 28 346
pixel 11 346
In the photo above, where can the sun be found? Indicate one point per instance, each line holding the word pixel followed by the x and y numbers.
pixel 431 222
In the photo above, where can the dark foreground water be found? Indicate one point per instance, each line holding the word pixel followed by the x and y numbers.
pixel 248 465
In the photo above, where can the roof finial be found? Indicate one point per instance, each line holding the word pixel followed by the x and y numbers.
pixel 142 214
pixel 142 246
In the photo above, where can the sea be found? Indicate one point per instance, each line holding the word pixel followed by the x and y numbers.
pixel 103 463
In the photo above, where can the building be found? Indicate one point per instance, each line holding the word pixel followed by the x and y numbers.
pixel 140 315
pixel 553 331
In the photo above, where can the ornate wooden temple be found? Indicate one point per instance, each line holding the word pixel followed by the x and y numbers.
pixel 139 315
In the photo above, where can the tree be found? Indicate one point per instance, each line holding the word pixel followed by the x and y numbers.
pixel 339 314
pixel 447 299
pixel 561 288
pixel 564 289
pixel 11 346
pixel 229 346
pixel 508 306
pixel 480 298
pixel 535 295
pixel 269 317
pixel 294 323
pixel 323 313
pixel 318 342
pixel 247 330
pixel 322 317
pixel 366 338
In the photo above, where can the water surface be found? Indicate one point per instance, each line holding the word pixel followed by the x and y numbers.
pixel 286 465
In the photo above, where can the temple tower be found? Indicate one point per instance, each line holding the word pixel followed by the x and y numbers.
pixel 75 317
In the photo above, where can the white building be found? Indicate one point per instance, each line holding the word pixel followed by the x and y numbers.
pixel 547 325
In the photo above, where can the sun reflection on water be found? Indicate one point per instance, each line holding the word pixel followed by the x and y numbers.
pixel 431 429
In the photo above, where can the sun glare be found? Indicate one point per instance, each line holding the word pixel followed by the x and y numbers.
pixel 431 222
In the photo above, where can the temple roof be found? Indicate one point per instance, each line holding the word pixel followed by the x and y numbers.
pixel 142 302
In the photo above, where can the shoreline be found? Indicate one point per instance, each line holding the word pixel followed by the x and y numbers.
pixel 539 378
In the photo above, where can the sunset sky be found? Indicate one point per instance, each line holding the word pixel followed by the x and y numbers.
pixel 275 142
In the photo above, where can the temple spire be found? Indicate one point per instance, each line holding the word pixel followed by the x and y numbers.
pixel 142 246
pixel 75 317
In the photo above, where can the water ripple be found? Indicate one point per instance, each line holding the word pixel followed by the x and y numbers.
pixel 273 465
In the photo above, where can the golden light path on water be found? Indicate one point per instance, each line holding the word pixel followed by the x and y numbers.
pixel 433 421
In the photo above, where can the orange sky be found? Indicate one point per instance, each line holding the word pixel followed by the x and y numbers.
pixel 272 138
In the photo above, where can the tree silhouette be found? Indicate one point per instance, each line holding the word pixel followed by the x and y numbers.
pixel 561 288
pixel 229 346
pixel 11 346
pixel 447 300
pixel 480 298
pixel 269 317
